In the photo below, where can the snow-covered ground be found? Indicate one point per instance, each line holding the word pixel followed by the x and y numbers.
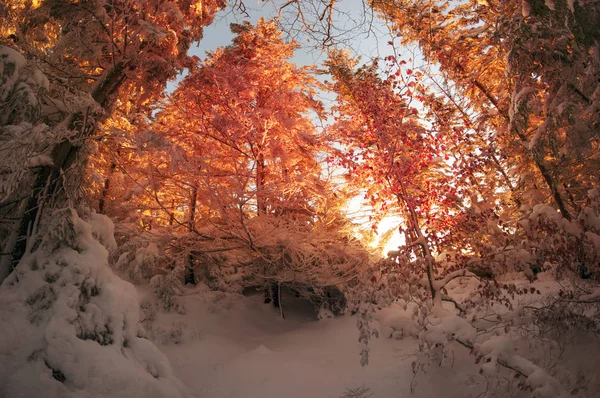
pixel 69 328
pixel 235 346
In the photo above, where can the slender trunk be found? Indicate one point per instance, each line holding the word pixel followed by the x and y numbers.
pixel 275 292
pixel 5 262
pixel 537 158
pixel 193 199
pixel 172 215
pixel 279 302
pixel 103 195
pixel 189 276
pixel 106 187
pixel 420 240
pixel 261 207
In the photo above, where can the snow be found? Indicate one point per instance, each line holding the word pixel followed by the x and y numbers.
pixel 525 8
pixel 445 326
pixel 235 346
pixel 499 350
pixel 539 133
pixel 590 219
pixel 11 62
pixel 229 345
pixel 550 4
pixel 104 230
pixel 594 295
pixel 69 328
pixel 595 239
pixel 554 216
pixel 38 79
pixel 396 322
pixel 496 346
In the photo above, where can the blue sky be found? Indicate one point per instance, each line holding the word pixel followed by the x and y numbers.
pixel 365 44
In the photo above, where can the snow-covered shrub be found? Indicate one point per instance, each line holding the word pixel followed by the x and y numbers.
pixel 481 313
pixel 313 263
pixel 563 245
pixel 171 335
pixel 103 230
pixel 21 88
pixel 568 314
pixel 140 256
pixel 148 312
pixel 324 313
pixel 166 287
pixel 69 326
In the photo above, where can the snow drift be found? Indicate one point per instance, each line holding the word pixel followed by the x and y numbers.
pixel 69 326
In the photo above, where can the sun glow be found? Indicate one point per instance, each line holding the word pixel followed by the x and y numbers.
pixel 388 235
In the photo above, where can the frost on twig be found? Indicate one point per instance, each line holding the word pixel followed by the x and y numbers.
pixel 359 392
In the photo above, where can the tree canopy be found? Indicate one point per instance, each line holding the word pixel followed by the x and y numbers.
pixel 488 151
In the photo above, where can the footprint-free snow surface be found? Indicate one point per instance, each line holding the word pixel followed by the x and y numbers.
pixel 230 346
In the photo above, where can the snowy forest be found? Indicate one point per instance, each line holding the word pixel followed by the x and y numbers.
pixel 420 222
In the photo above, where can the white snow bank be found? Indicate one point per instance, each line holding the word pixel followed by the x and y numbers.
pixel 499 350
pixel 396 322
pixel 245 350
pixel 446 326
pixel 69 328
pixel 103 229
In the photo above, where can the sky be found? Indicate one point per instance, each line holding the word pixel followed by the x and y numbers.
pixel 349 15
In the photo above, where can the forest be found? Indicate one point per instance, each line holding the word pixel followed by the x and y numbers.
pixel 421 222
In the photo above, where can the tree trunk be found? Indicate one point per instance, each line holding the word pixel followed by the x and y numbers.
pixel 106 188
pixel 537 158
pixel 6 265
pixel 261 207
pixel 273 294
pixel 193 199
pixel 189 276
pixel 420 240
pixel 47 180
pixel 172 215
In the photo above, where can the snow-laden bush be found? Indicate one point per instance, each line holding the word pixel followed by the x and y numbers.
pixel 70 328
pixel 140 255
pixel 165 288
pixel 315 263
pixel 566 246
pixel 495 321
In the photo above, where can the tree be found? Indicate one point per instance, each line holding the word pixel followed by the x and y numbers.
pixel 397 158
pixel 509 60
pixel 93 56
pixel 64 68
pixel 527 72
pixel 249 112
pixel 236 148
